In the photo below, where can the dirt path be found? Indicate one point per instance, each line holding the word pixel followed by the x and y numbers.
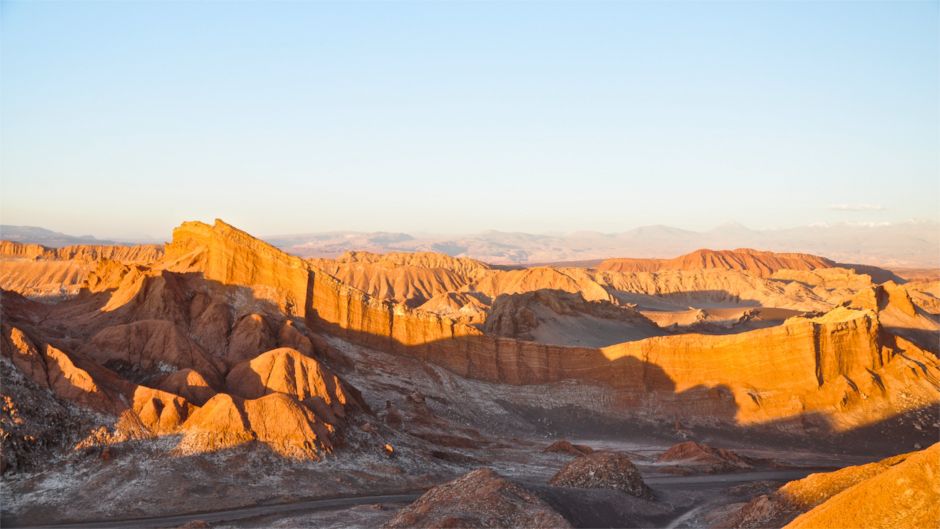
pixel 230 515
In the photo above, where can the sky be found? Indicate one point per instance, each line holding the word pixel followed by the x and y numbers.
pixel 122 119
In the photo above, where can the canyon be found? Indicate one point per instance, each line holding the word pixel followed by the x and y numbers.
pixel 186 367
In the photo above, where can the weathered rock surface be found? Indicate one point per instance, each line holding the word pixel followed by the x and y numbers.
pixel 219 298
pixel 290 372
pixel 603 470
pixel 899 491
pixel 464 307
pixel 481 498
pixel 406 278
pixel 840 369
pixel 189 384
pixel 250 336
pixel 277 421
pixel 906 494
pixel 43 279
pixel 230 256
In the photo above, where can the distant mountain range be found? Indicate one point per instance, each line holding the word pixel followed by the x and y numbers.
pixel 53 239
pixel 901 244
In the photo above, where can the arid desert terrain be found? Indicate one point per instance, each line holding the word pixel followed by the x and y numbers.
pixel 219 381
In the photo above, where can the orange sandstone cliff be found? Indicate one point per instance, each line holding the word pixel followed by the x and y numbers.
pixel 842 369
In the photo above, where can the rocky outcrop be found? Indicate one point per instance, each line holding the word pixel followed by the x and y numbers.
pixel 276 420
pixel 230 256
pixel 51 368
pixel 250 336
pixel 220 295
pixel 188 384
pixel 290 372
pixel 148 349
pixel 92 386
pixel 603 470
pixel 681 289
pixel 417 279
pixel 481 498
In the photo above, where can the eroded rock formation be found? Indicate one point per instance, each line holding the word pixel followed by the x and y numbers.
pixel 481 498
pixel 755 262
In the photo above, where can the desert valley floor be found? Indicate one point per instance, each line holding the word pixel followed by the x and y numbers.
pixel 218 381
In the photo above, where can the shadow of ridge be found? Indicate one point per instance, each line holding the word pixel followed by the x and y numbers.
pixel 642 389
pixel 703 299
pixel 878 275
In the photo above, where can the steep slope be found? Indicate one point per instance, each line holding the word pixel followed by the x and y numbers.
pixel 43 278
pixel 230 256
pixel 898 491
pixel 905 494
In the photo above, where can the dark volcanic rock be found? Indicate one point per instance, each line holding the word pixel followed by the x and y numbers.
pixel 603 470
pixel 481 498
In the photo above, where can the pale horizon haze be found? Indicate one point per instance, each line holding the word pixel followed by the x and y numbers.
pixel 122 119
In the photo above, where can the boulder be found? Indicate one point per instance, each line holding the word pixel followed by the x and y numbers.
pixel 603 470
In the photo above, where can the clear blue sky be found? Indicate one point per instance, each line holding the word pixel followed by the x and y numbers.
pixel 125 118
